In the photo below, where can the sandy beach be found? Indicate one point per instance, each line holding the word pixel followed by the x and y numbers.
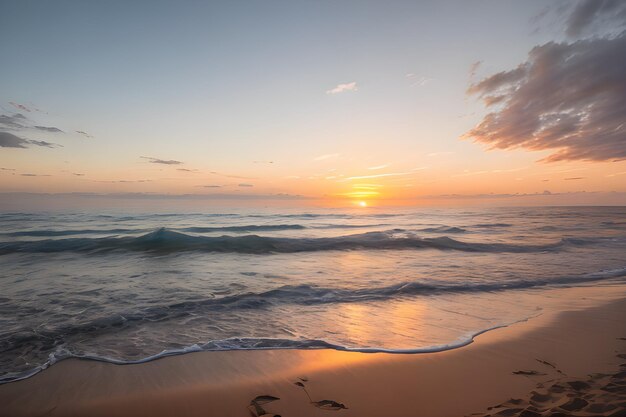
pixel 566 363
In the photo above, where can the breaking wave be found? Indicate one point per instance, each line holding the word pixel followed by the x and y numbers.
pixel 167 241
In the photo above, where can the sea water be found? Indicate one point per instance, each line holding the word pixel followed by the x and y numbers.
pixel 134 287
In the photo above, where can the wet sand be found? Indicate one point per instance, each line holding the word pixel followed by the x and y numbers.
pixel 567 363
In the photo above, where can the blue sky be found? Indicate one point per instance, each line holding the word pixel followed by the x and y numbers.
pixel 243 89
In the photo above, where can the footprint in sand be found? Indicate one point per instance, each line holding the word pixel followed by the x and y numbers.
pixel 255 406
pixel 322 404
pixel 528 373
pixel 595 395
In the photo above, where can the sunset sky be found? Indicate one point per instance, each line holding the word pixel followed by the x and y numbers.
pixel 334 101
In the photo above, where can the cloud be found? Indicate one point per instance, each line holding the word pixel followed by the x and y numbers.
pixel 44 143
pixel 363 177
pixel 35 175
pixel 161 161
pixel 9 140
pixel 379 167
pixel 246 185
pixel 342 88
pixel 121 181
pixel 49 129
pixel 210 186
pixel 418 82
pixel 13 122
pixel 20 106
pixel 567 97
pixel 327 156
pixel 186 170
pixel 154 196
pixel 78 174
pixel 592 14
pixel 574 178
pixel 239 177
pixel 85 134
pixel 474 68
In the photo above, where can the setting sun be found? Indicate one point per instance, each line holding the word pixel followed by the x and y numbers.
pixel 336 192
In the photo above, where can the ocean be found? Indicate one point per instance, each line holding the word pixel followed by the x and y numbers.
pixel 127 288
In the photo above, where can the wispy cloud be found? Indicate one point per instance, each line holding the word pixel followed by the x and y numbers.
pixel 186 170
pixel 342 88
pixel 418 81
pixel 20 106
pixel 122 181
pixel 378 167
pixel 15 121
pixel 9 140
pixel 363 177
pixel 85 134
pixel 474 68
pixel 574 178
pixel 239 177
pixel 245 185
pixel 161 161
pixel 327 156
pixel 35 175
pixel 50 129
pixel 589 14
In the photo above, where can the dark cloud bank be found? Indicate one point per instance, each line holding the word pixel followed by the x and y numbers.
pixel 592 14
pixel 9 140
pixel 569 97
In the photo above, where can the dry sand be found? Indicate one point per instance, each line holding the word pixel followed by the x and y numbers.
pixel 571 363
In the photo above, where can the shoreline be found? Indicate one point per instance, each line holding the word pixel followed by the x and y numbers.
pixel 446 383
pixel 312 345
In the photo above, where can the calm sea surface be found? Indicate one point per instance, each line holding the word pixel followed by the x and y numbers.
pixel 127 287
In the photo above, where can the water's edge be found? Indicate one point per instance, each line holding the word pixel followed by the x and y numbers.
pixel 234 344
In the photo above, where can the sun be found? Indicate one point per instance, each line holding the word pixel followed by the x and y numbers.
pixel 362 204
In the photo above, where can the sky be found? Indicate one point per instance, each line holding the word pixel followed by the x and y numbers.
pixel 330 102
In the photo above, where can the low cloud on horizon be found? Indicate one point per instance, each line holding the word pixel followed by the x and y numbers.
pixel 162 161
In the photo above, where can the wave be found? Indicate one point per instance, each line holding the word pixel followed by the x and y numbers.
pixel 52 233
pixel 247 343
pixel 164 241
pixel 245 228
pixel 195 229
pixel 305 295
pixel 54 340
pixel 443 229
pixel 489 225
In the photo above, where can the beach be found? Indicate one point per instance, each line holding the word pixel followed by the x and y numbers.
pixel 567 362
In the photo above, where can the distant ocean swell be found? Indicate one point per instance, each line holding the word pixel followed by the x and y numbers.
pixel 167 241
pixel 212 229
